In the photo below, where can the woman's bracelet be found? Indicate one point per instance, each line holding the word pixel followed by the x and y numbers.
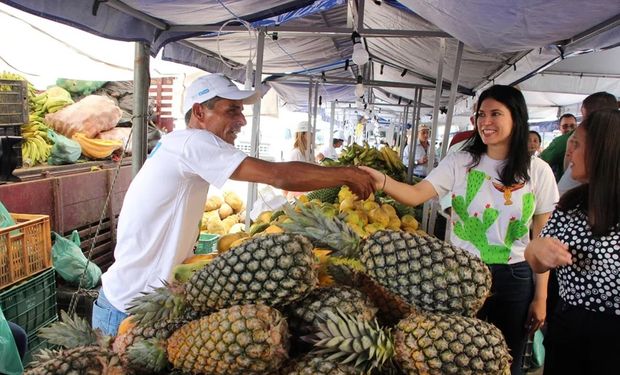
pixel 384 181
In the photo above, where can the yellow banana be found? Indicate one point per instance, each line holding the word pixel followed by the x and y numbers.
pixel 96 148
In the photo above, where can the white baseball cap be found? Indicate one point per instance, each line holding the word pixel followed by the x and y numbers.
pixel 338 134
pixel 212 85
pixel 302 126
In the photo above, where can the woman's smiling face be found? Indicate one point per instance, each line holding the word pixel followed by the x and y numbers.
pixel 494 124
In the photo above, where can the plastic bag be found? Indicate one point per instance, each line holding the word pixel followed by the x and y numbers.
pixel 64 150
pixel 538 350
pixel 6 220
pixel 268 200
pixel 91 115
pixel 69 261
pixel 10 362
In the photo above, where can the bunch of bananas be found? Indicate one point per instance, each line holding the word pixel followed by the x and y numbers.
pixel 52 100
pixel 36 147
pixel 96 148
pixel 16 77
pixel 385 160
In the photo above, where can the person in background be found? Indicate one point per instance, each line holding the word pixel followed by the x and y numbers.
pixel 533 143
pixel 460 139
pixel 329 150
pixel 594 102
pixel 581 242
pixel 157 226
pixel 421 152
pixel 496 173
pixel 554 153
pixel 301 144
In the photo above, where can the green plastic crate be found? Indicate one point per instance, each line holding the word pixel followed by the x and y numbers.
pixel 207 243
pixel 35 343
pixel 31 303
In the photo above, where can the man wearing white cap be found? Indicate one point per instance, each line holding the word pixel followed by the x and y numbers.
pixel 421 152
pixel 158 223
pixel 329 149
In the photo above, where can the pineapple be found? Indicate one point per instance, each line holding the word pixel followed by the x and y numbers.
pixel 247 339
pixel 303 315
pixel 425 272
pixel 274 269
pixel 85 360
pixel 392 307
pixel 427 343
pixel 311 364
pixel 157 329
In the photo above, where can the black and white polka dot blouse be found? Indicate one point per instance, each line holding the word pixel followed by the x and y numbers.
pixel 593 280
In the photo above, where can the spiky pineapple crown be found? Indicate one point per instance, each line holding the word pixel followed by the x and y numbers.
pixel 362 344
pixel 165 302
pixel 311 222
pixel 71 332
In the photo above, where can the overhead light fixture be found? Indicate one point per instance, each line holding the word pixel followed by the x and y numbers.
pixel 360 55
pixel 359 87
pixel 403 73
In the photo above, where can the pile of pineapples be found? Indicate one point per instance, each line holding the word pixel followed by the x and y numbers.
pixel 393 302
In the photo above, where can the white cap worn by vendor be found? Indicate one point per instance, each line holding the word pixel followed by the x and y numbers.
pixel 302 126
pixel 338 134
pixel 212 85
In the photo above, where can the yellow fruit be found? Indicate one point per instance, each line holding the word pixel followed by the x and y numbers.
pixel 213 203
pixel 126 325
pixel 199 258
pixel 369 206
pixel 96 148
pixel 264 217
pixel 239 242
pixel 183 272
pixel 409 221
pixel 389 209
pixel 273 229
pixel 225 211
pixel 379 216
pixel 347 204
pixel 225 242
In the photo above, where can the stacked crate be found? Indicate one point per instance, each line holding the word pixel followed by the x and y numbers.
pixel 27 281
pixel 13 114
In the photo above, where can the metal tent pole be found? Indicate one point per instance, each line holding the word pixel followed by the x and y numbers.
pixel 453 89
pixel 255 139
pixel 310 151
pixel 141 84
pixel 428 223
pixel 403 133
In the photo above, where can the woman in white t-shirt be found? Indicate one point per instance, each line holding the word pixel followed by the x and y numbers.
pixel 301 144
pixel 498 193
pixel 299 152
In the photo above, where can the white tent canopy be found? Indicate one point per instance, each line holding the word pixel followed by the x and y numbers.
pixel 505 41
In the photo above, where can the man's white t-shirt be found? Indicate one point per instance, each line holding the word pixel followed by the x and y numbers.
pixel 160 216
pixel 488 219
pixel 329 151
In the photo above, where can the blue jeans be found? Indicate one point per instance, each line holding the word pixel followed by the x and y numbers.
pixel 507 307
pixel 105 316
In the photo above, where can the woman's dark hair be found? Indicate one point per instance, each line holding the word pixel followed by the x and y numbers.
pixel 600 197
pixel 537 135
pixel 516 167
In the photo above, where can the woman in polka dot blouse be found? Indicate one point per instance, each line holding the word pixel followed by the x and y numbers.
pixel 582 240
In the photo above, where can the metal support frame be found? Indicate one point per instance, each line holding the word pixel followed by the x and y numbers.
pixel 332 80
pixel 255 139
pixel 310 151
pixel 141 83
pixel 332 120
pixel 455 83
pixel 415 123
pixel 426 222
pixel 403 133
